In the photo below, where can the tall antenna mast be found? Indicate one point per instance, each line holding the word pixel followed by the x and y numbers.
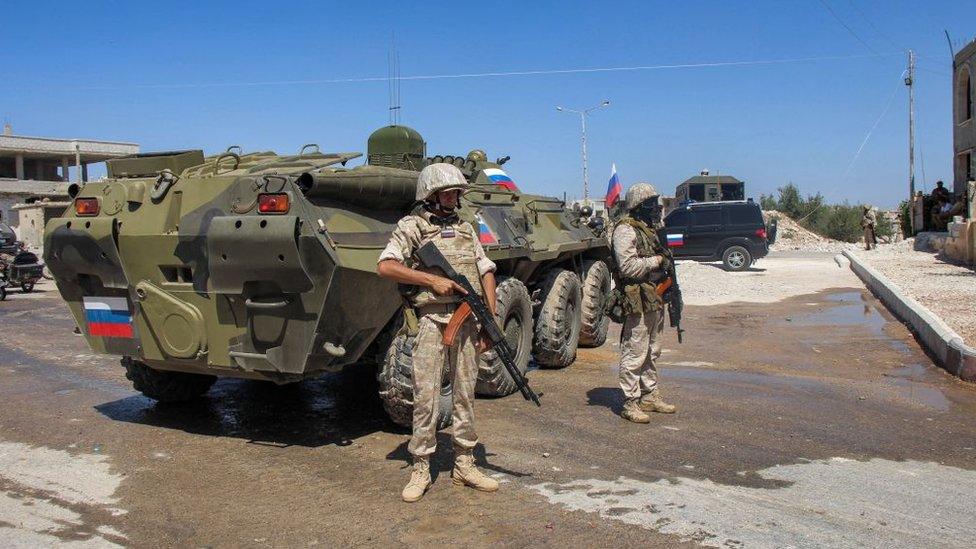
pixel 393 82
pixel 910 82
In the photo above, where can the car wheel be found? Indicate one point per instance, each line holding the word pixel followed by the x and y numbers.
pixel 27 287
pixel 558 321
pixel 736 258
pixel 3 293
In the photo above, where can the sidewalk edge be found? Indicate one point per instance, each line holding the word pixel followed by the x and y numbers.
pixel 931 331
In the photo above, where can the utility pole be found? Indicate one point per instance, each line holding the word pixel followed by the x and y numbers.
pixel 583 113
pixel 910 82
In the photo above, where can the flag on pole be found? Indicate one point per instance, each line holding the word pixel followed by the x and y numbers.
pixel 613 188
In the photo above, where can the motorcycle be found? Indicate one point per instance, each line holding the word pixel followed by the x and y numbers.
pixel 22 269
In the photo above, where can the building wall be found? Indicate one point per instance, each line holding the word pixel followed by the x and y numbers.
pixel 32 221
pixel 963 115
pixel 7 214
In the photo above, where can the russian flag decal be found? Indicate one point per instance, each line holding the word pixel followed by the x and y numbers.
pixel 676 240
pixel 485 234
pixel 499 177
pixel 108 317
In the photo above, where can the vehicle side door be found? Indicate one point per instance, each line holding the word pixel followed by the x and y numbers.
pixel 704 230
pixel 675 228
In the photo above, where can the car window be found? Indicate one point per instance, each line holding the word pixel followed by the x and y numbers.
pixel 709 216
pixel 744 215
pixel 677 218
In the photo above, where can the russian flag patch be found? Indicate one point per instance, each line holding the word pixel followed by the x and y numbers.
pixel 485 234
pixel 676 240
pixel 108 317
pixel 498 177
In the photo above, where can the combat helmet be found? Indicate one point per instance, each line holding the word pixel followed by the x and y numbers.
pixel 638 193
pixel 439 177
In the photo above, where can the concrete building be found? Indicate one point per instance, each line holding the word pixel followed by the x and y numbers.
pixel 38 167
pixel 964 127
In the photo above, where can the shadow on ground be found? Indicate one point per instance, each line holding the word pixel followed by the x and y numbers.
pixel 333 409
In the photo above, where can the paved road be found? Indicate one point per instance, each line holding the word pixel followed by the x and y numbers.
pixel 814 421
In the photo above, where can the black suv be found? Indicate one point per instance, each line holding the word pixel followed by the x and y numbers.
pixel 8 240
pixel 732 231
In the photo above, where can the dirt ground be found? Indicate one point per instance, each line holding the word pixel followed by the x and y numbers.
pixel 810 420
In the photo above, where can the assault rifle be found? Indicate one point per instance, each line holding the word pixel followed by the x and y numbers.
pixel 431 257
pixel 670 292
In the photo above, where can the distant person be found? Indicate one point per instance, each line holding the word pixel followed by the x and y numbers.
pixel 948 211
pixel 941 192
pixel 869 222
pixel 639 258
pixel 937 215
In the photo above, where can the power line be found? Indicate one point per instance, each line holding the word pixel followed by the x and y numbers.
pixel 869 22
pixel 850 30
pixel 543 72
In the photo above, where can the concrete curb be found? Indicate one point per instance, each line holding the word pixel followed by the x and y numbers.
pixel 942 341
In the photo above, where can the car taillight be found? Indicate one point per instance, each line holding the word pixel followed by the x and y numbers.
pixel 273 203
pixel 86 206
pixel 761 233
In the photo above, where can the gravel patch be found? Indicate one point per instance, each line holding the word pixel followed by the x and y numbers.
pixel 774 278
pixel 947 289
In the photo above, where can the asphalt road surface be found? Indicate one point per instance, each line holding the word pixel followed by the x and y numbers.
pixel 808 422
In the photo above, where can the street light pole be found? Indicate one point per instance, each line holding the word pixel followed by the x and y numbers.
pixel 582 114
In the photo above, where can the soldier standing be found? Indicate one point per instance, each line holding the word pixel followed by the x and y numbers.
pixel 439 188
pixel 868 222
pixel 640 264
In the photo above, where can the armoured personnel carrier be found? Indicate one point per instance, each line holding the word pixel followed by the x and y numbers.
pixel 264 266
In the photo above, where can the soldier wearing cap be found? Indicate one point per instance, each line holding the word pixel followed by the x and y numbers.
pixel 436 220
pixel 640 265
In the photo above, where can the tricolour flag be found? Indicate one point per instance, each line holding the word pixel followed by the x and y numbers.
pixel 499 177
pixel 676 240
pixel 485 234
pixel 108 317
pixel 613 188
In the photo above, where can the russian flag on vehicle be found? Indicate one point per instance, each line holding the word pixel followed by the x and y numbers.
pixel 485 234
pixel 676 240
pixel 499 177
pixel 613 188
pixel 108 317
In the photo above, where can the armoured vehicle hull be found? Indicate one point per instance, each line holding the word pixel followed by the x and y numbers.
pixel 264 266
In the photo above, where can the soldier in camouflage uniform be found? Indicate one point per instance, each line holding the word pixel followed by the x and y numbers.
pixel 437 221
pixel 639 267
pixel 869 222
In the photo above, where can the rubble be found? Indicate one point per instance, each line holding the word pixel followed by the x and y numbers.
pixel 790 235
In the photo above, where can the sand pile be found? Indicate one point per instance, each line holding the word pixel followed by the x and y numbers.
pixel 790 235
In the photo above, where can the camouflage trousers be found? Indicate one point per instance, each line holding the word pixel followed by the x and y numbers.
pixel 431 362
pixel 870 238
pixel 639 348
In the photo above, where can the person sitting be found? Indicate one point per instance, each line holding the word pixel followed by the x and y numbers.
pixel 940 208
pixel 940 192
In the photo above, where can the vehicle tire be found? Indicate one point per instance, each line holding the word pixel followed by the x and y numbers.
pixel 596 287
pixel 27 287
pixel 396 384
pixel 3 293
pixel 736 258
pixel 558 321
pixel 514 317
pixel 166 386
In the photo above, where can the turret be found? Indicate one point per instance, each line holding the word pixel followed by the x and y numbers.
pixel 396 147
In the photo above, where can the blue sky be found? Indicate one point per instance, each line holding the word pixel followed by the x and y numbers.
pixel 207 75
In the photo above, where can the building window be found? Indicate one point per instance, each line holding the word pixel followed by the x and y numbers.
pixel 964 96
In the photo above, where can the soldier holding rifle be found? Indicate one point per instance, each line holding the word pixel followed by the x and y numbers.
pixel 437 222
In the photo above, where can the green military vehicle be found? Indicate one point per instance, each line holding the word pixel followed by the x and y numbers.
pixel 264 266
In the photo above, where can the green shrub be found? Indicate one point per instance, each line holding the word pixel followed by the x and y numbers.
pixel 905 219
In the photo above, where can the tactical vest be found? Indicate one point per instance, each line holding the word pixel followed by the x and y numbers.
pixel 640 295
pixel 457 240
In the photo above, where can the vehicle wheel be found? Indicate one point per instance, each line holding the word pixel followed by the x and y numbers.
pixel 27 287
pixel 557 325
pixel 596 287
pixel 514 317
pixel 396 384
pixel 3 293
pixel 736 258
pixel 166 386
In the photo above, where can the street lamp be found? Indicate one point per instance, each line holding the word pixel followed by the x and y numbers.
pixel 583 113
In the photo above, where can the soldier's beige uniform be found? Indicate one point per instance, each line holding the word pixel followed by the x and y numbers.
pixel 639 345
pixel 459 243
pixel 868 222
